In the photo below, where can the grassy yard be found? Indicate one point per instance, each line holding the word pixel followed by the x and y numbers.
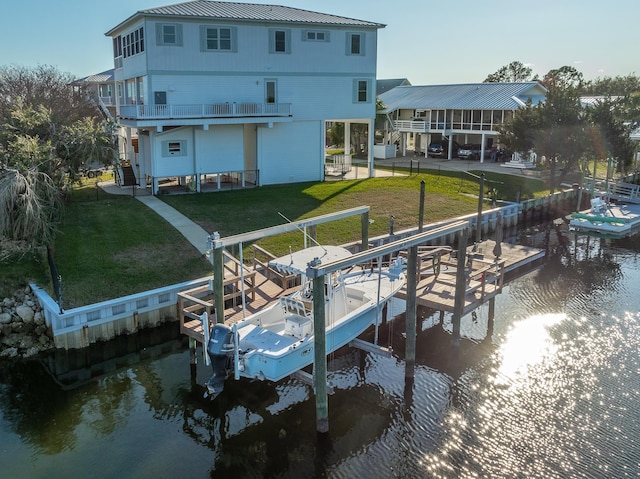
pixel 111 246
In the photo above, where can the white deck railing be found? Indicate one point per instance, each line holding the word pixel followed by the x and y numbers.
pixel 211 110
pixel 418 126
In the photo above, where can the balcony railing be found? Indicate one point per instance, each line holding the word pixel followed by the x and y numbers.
pixel 212 110
pixel 418 126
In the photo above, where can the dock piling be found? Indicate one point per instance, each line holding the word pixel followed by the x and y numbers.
pixel 461 280
pixel 411 313
pixel 320 356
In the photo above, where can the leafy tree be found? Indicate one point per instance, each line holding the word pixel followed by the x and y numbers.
pixel 86 142
pixel 555 129
pixel 609 136
pixel 513 72
pixel 613 86
pixel 48 128
pixel 29 204
pixel 564 78
pixel 43 85
pixel 564 132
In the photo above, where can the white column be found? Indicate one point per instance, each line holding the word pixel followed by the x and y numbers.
pixel 347 138
pixel 483 146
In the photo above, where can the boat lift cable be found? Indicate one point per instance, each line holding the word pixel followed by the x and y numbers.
pixel 304 232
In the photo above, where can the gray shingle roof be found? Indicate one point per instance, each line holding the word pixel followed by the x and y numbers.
pixel 471 96
pixel 252 12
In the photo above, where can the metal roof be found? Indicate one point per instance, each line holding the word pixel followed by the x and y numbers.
pixel 104 77
pixel 251 12
pixel 470 96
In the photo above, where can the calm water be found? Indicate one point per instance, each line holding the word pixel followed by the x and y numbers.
pixel 554 391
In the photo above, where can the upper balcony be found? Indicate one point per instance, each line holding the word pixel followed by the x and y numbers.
pixel 418 126
pixel 211 110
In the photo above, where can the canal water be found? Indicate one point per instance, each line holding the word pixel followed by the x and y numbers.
pixel 551 390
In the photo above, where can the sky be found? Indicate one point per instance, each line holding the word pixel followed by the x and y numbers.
pixel 428 42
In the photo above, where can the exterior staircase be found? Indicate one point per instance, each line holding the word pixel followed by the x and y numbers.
pixel 128 176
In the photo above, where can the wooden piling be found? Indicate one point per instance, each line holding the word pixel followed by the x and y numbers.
pixel 365 230
pixel 421 215
pixel 218 278
pixel 460 285
pixel 411 313
pixel 320 356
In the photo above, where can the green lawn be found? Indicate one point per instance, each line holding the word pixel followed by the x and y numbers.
pixel 111 246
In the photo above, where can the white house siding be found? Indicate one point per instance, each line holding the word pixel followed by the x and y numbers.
pixel 220 149
pixel 177 165
pixel 144 158
pixel 290 152
pixel 252 50
pixel 316 78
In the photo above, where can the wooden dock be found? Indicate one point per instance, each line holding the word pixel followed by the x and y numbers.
pixel 436 287
pixel 262 287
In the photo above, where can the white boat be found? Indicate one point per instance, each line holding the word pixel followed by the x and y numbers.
pixel 279 340
pixel 619 219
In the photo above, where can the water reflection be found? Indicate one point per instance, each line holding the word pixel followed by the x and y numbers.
pixel 552 390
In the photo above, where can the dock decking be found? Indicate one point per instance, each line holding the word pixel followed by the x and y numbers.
pixel 485 277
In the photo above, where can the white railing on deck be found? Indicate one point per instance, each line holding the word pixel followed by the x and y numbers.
pixel 212 110
pixel 408 125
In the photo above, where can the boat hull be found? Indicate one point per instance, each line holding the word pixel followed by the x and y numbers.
pixel 280 355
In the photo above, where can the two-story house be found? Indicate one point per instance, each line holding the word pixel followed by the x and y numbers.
pixel 462 113
pixel 213 91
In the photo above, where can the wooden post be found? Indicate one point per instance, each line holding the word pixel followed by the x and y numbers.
pixel 421 215
pixel 218 277
pixel 365 231
pixel 320 356
pixel 479 219
pixel 411 315
pixel 461 285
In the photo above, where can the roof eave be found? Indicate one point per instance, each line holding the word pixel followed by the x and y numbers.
pixel 141 14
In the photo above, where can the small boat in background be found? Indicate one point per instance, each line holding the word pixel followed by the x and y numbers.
pixel 616 219
pixel 279 340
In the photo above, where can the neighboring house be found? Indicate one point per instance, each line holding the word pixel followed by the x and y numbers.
pixel 212 91
pixel 465 113
pixel 101 87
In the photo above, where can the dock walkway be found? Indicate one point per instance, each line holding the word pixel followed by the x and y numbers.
pixel 436 287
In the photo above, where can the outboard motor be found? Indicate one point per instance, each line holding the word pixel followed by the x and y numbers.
pixel 220 351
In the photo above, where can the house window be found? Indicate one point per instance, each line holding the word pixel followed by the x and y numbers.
pixel 355 43
pixel 174 148
pixel 169 34
pixel 361 91
pixel 221 39
pixel 315 36
pixel 270 91
pixel 279 41
pixel 130 44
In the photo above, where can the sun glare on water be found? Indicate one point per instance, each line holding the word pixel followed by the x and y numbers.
pixel 527 343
